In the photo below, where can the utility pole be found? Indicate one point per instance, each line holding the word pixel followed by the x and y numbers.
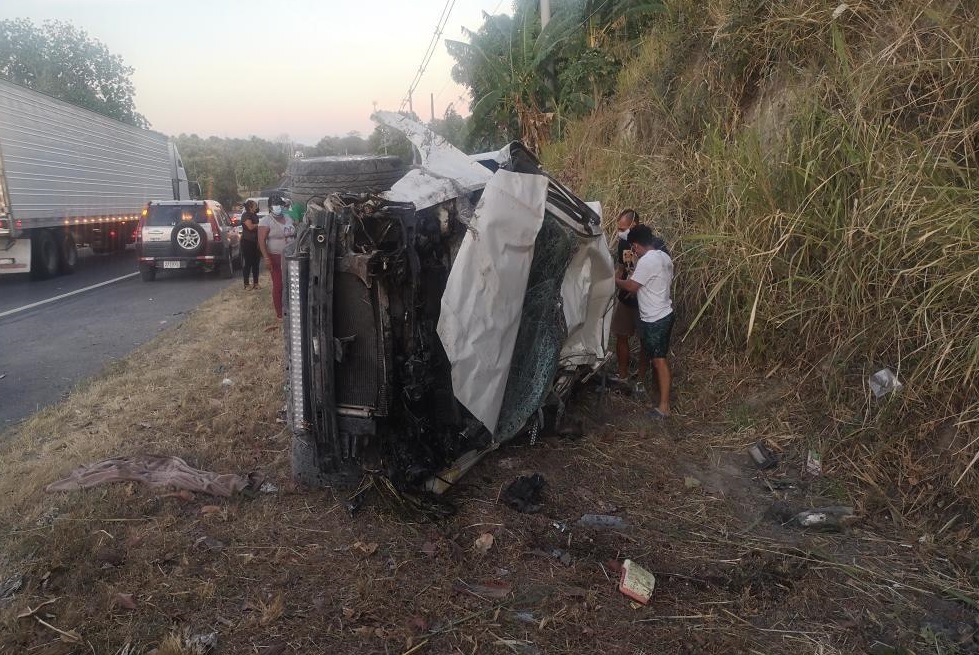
pixel 545 13
pixel 410 108
pixel 432 96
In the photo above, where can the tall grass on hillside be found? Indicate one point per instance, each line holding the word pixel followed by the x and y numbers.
pixel 817 166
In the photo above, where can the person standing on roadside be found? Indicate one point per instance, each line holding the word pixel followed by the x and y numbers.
pixel 625 316
pixel 651 281
pixel 275 231
pixel 250 254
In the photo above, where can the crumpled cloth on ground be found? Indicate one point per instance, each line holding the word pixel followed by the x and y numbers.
pixel 156 471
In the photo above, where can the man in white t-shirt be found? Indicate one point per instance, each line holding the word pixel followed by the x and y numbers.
pixel 651 282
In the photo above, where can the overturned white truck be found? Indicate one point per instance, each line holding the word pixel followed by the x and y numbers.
pixel 430 323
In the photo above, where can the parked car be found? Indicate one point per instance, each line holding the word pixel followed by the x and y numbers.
pixel 183 234
pixel 428 324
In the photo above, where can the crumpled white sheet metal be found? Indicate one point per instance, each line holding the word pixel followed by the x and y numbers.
pixel 586 291
pixel 445 172
pixel 483 300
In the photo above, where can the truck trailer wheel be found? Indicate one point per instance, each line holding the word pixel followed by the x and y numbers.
pixel 67 253
pixel 44 255
pixel 321 176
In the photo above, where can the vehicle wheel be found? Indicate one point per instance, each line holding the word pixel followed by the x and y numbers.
pixel 44 255
pixel 100 249
pixel 67 253
pixel 320 176
pixel 188 238
pixel 148 273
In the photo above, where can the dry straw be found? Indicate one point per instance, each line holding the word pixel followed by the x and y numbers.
pixel 814 167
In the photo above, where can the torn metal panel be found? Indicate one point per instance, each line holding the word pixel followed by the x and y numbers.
pixel 587 292
pixel 444 172
pixel 482 303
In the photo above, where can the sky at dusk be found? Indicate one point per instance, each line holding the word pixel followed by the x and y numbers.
pixel 306 68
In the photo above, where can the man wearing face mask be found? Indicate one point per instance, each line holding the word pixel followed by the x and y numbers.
pixel 625 315
pixel 275 231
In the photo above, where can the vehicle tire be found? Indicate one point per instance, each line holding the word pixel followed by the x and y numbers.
pixel 44 255
pixel 320 176
pixel 67 253
pixel 188 239
pixel 100 249
pixel 147 273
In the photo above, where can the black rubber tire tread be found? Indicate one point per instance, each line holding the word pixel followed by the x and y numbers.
pixel 345 165
pixel 44 255
pixel 321 176
pixel 67 253
pixel 148 273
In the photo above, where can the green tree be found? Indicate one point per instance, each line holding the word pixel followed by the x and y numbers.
pixel 526 81
pixel 63 61
pixel 452 127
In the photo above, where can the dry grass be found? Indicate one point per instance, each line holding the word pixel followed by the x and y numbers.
pixel 816 179
pixel 293 573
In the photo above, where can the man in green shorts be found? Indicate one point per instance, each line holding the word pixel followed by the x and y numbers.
pixel 651 282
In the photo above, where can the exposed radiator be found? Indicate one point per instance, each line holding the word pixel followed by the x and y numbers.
pixel 360 375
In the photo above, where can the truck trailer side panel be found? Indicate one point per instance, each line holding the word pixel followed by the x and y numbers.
pixel 68 168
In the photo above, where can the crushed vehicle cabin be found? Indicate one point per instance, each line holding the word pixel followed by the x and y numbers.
pixel 431 322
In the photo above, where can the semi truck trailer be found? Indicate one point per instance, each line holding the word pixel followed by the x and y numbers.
pixel 70 177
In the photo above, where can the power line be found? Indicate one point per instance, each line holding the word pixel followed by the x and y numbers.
pixel 429 51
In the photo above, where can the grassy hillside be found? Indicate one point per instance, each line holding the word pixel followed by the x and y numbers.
pixel 814 167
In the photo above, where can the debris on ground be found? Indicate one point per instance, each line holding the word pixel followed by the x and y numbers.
pixel 824 518
pixel 884 382
pixel 602 522
pixel 227 382
pixel 559 554
pixel 11 586
pixel 203 643
pixel 762 456
pixel 155 471
pixel 491 589
pixel 814 464
pixel 524 493
pixel 779 484
pixel 636 582
pixel 691 482
pixel 484 542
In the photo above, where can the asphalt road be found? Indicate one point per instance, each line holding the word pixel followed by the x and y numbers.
pixel 49 343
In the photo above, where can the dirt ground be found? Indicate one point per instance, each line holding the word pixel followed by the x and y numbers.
pixel 129 570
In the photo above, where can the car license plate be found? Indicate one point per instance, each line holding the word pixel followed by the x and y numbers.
pixel 171 264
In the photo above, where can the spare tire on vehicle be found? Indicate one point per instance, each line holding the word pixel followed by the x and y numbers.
pixel 321 176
